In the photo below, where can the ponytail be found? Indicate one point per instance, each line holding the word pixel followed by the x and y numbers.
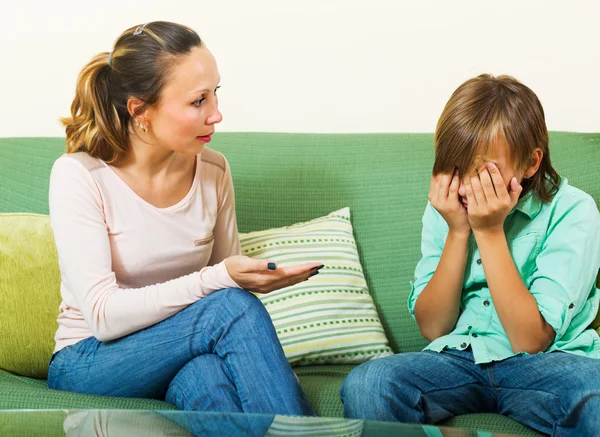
pixel 95 125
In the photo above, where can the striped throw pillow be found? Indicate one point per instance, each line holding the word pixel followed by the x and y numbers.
pixel 289 426
pixel 331 318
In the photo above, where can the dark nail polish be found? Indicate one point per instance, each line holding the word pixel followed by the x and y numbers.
pixel 318 267
pixel 271 266
pixel 314 273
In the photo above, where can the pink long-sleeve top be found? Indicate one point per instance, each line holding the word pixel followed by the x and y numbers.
pixel 125 264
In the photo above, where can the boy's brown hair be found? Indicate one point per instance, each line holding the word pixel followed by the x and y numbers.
pixel 483 108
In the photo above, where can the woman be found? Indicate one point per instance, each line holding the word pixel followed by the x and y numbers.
pixel 155 301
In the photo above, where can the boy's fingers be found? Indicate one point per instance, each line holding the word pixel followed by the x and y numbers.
pixel 453 190
pixel 470 195
pixel 444 186
pixel 477 190
pixel 487 185
pixel 515 191
pixel 435 188
pixel 497 180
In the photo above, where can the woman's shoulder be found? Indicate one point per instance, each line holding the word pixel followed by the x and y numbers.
pixel 73 179
pixel 211 157
pixel 76 171
pixel 80 160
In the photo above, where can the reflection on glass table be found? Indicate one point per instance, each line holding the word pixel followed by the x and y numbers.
pixel 132 423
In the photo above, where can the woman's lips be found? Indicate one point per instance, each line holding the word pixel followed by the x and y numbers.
pixel 205 138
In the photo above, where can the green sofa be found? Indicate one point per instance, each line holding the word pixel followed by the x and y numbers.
pixel 279 179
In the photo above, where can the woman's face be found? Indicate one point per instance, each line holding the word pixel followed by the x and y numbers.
pixel 185 117
pixel 498 154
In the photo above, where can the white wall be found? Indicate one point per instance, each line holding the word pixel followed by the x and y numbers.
pixel 318 65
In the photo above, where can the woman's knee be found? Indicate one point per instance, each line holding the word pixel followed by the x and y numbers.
pixel 226 305
pixel 239 302
pixel 204 384
pixel 197 375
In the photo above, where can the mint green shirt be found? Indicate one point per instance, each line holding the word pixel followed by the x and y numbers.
pixel 556 249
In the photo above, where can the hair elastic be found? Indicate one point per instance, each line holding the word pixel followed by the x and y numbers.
pixel 139 29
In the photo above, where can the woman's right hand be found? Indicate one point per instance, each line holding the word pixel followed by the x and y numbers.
pixel 443 195
pixel 254 274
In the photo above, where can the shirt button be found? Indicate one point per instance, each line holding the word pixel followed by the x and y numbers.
pixel 571 306
pixel 470 327
pixel 463 345
pixel 479 261
pixel 486 303
pixel 474 335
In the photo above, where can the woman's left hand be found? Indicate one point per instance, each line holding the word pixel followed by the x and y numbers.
pixel 489 201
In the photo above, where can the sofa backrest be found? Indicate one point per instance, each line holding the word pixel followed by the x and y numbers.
pixel 282 179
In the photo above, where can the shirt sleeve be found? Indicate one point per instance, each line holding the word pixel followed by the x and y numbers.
pixel 227 240
pixel 84 254
pixel 433 237
pixel 567 264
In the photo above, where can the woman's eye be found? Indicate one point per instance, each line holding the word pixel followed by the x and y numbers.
pixel 199 101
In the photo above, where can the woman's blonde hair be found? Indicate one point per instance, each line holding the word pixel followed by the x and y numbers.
pixel 484 108
pixel 139 66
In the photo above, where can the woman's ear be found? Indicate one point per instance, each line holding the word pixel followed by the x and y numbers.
pixel 535 161
pixel 133 105
pixel 141 119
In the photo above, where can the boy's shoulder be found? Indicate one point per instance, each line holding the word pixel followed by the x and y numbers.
pixel 570 200
pixel 568 195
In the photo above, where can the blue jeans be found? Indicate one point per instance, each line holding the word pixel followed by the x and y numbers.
pixel 219 354
pixel 555 393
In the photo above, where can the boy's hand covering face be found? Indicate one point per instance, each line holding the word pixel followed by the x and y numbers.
pixel 489 200
pixel 443 195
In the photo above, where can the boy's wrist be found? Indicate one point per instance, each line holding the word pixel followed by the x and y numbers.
pixel 494 233
pixel 459 234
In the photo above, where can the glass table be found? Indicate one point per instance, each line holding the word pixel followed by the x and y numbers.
pixel 131 423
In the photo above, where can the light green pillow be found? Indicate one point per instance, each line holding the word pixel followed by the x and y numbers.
pixel 331 318
pixel 29 293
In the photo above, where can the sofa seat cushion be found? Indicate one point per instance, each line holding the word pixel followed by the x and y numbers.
pixel 322 385
pixel 491 422
pixel 20 392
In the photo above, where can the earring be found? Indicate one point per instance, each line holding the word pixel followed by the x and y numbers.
pixel 142 126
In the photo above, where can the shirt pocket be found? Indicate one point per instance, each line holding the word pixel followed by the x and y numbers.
pixel 524 250
pixel 204 241
pixel 202 249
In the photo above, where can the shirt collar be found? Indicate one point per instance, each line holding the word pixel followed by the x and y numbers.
pixel 529 205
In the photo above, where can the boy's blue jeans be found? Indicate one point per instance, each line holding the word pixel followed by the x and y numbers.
pixel 555 393
pixel 219 354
